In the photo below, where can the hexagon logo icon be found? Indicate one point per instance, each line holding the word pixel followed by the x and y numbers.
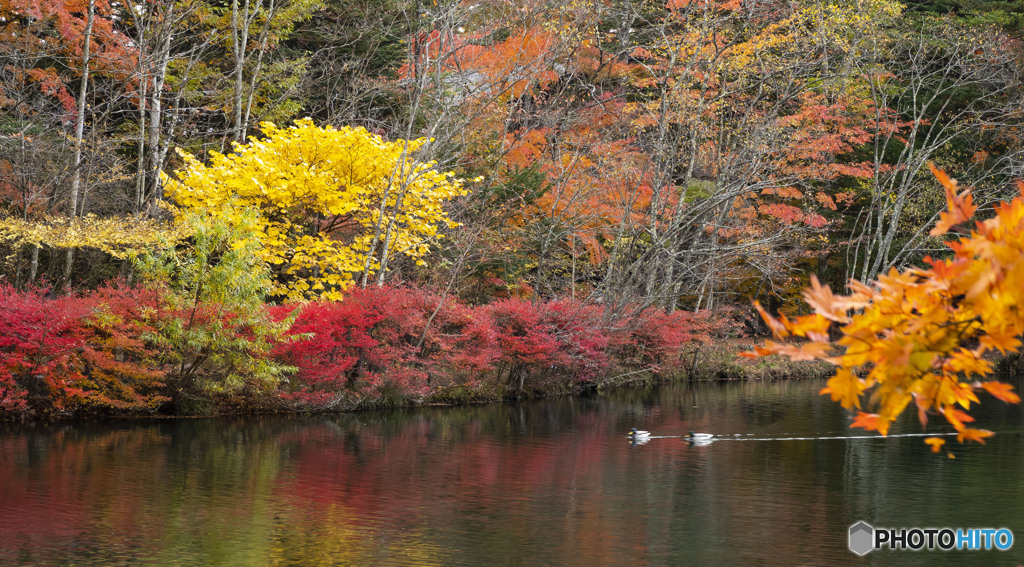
pixel 861 538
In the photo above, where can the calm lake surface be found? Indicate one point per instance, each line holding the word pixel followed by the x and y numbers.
pixel 553 482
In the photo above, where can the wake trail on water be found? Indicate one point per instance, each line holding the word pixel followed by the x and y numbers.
pixel 831 437
pixel 740 437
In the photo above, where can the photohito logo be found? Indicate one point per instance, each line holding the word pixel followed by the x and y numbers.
pixel 864 538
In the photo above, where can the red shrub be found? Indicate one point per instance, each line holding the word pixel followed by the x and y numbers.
pixel 393 339
pixel 525 342
pixel 656 338
pixel 74 353
pixel 466 342
pixel 401 315
pixel 409 341
pixel 330 341
pixel 97 352
pixel 39 342
pixel 438 336
pixel 582 336
pixel 117 361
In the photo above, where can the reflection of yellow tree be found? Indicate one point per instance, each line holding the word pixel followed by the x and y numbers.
pixel 335 534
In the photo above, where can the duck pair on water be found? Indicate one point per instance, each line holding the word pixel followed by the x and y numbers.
pixel 636 434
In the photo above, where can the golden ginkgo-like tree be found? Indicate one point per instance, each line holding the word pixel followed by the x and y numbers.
pixel 334 204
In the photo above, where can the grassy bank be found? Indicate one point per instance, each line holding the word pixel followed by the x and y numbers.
pixel 716 361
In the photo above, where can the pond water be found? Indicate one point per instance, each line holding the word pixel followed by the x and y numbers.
pixel 552 482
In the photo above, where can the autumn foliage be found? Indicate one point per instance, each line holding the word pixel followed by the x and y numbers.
pixel 921 335
pixel 110 351
pixel 327 201
pixel 411 342
pixel 61 355
pixel 490 196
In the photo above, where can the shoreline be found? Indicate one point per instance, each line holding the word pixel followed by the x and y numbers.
pixel 719 362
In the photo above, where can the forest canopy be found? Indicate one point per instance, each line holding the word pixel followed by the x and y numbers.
pixel 640 161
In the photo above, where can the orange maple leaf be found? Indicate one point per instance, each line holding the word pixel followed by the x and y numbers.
pixel 777 327
pixel 951 391
pixel 824 301
pixel 1001 391
pixel 961 416
pixel 922 403
pixel 814 327
pixel 936 443
pixel 956 418
pixel 868 421
pixel 811 350
pixel 961 207
pixel 970 434
pixel 1002 341
pixel 845 387
pixel 769 348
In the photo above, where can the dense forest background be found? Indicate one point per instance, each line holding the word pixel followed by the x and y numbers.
pixel 625 157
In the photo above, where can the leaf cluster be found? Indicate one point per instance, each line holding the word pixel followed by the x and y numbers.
pixel 322 198
pixel 922 335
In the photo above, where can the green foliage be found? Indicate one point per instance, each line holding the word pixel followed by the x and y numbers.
pixel 522 185
pixel 1006 14
pixel 218 332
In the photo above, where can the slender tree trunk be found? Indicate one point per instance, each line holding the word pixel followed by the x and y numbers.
pixel 254 78
pixel 140 178
pixel 239 43
pixel 399 173
pixel 163 56
pixel 76 176
pixel 33 266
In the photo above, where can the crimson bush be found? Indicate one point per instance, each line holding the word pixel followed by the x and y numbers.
pixel 40 339
pixel 72 353
pixel 104 351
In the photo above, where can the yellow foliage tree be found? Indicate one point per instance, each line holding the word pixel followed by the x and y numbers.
pixel 921 335
pixel 122 238
pixel 332 203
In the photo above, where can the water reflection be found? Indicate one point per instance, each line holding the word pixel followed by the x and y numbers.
pixel 554 482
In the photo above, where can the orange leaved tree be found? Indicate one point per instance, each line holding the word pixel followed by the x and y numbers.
pixel 921 335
